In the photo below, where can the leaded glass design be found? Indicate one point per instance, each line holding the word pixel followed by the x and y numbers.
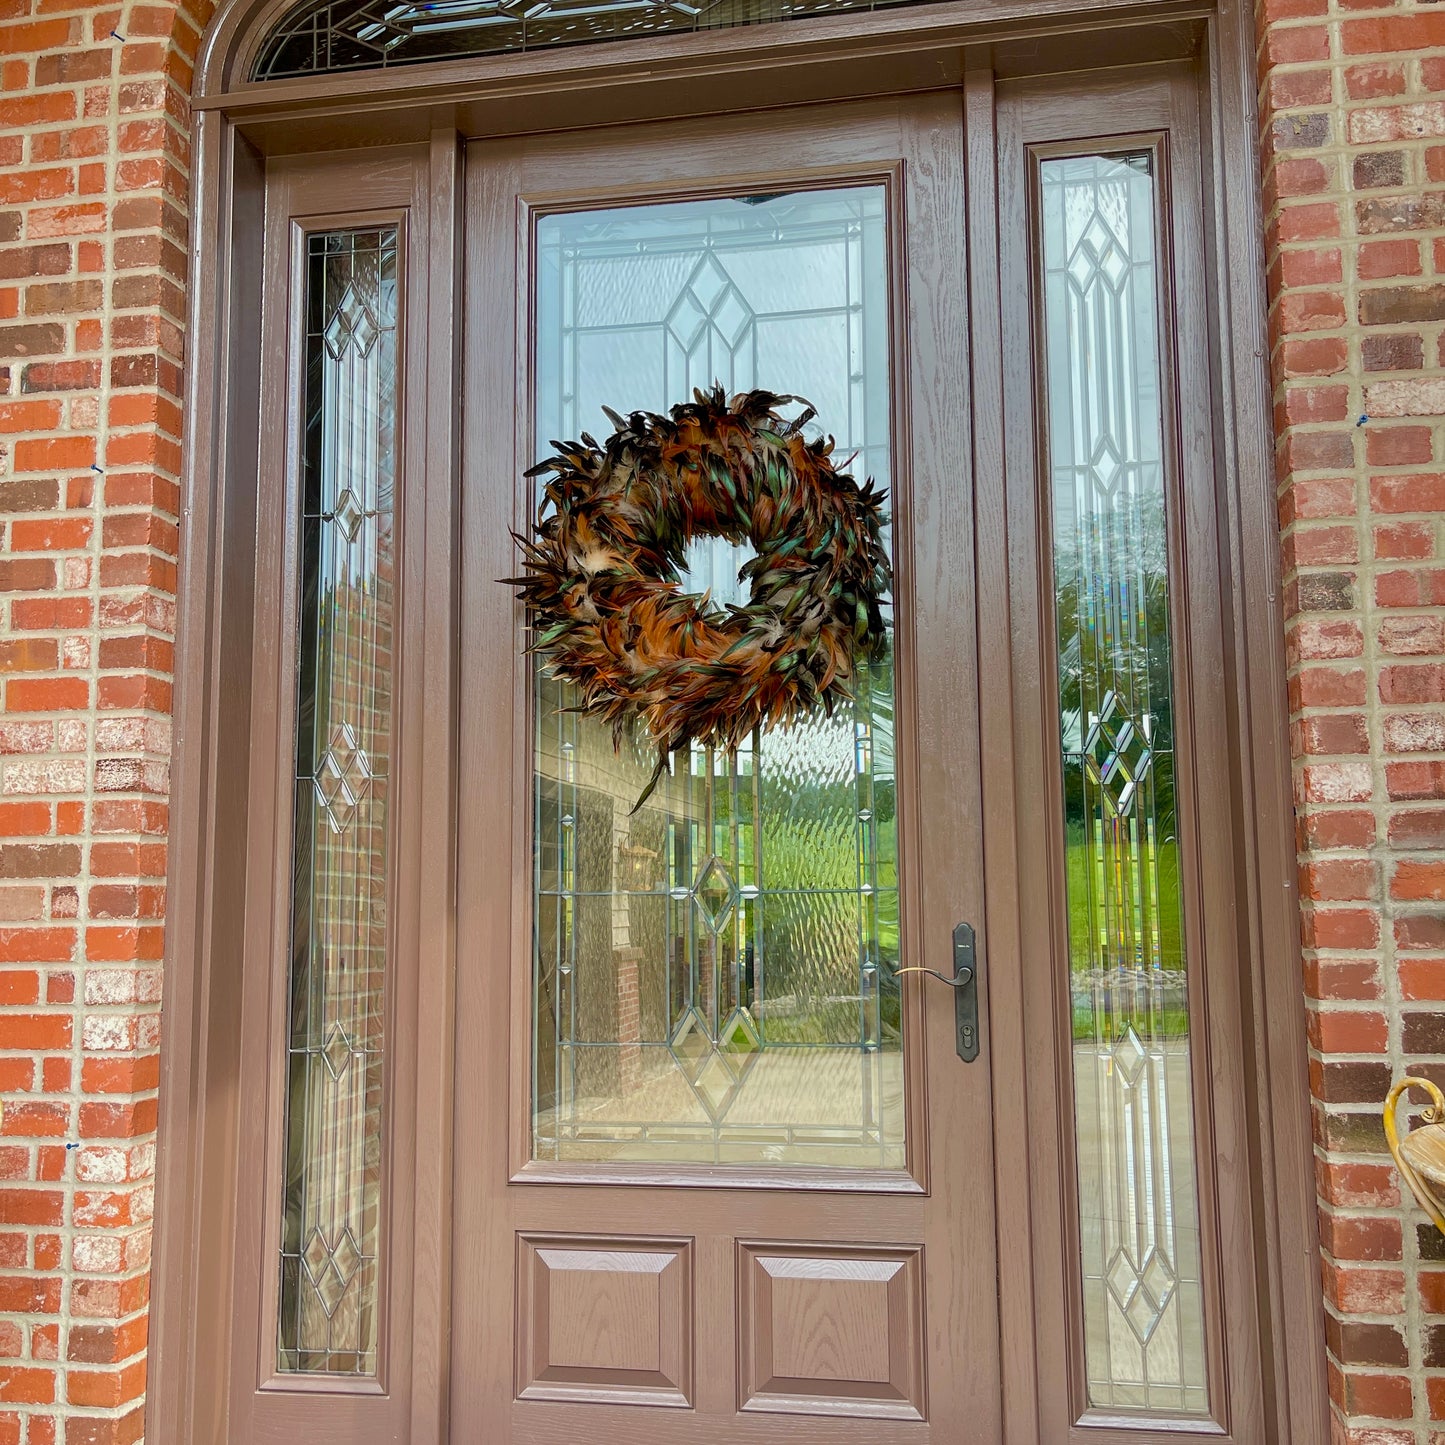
pixel 1138 1202
pixel 321 36
pixel 715 975
pixel 331 1218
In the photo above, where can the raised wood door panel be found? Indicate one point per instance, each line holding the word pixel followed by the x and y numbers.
pixel 645 1291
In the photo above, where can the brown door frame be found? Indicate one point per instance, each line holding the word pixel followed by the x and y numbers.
pixel 972 45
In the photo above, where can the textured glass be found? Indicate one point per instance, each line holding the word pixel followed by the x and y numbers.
pixel 715 974
pixel 1138 1205
pixel 329 1268
pixel 321 36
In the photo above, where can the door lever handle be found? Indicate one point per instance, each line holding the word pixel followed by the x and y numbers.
pixel 963 976
pixel 964 984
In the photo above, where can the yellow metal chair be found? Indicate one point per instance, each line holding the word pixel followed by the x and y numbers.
pixel 1420 1155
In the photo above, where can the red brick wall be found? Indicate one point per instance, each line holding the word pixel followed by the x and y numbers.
pixel 93 160
pixel 1353 117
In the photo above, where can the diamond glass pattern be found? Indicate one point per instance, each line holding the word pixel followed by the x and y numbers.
pixel 317 1254
pixel 739 1034
pixel 714 892
pixel 735 1002
pixel 690 1043
pixel 336 1051
pixel 342 778
pixel 329 1284
pixel 1117 755
pixel 350 325
pixel 1141 1297
pixel 348 514
pixel 1138 1201
pixel 330 1271
pixel 1130 1056
pixel 330 35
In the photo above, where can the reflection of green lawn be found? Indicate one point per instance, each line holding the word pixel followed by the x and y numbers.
pixel 1151 914
pixel 1150 910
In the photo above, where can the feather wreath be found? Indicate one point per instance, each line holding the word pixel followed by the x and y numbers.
pixel 602 572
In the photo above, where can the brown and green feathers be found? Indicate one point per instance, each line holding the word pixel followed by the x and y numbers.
pixel 601 575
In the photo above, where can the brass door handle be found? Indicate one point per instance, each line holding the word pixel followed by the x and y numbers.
pixel 963 976
pixel 964 984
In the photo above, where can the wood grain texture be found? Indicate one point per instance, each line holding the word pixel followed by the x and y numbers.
pixel 1281 1126
pixel 264 1404
pixel 604 1319
pixel 831 1330
pixel 196 1178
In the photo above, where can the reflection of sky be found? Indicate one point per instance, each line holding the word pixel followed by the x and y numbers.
pixel 640 305
pixel 713 564
pixel 1105 426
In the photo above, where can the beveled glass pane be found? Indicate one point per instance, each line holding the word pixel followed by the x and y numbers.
pixel 331 1218
pixel 1138 1201
pixel 321 36
pixel 715 975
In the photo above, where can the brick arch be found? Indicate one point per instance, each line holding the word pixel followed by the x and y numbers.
pixel 94 158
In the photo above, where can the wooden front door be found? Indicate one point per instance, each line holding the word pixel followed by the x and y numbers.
pixel 722 1173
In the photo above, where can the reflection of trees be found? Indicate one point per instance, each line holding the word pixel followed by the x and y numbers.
pixel 1121 864
pixel 1112 611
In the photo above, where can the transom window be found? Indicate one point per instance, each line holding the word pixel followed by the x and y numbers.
pixel 317 38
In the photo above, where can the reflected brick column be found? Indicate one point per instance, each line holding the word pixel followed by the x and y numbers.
pixel 629 1019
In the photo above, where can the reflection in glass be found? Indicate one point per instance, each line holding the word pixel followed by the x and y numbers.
pixel 329 1273
pixel 1138 1204
pixel 715 974
pixel 322 36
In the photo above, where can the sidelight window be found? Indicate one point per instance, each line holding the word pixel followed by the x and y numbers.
pixel 330 1286
pixel 1131 1024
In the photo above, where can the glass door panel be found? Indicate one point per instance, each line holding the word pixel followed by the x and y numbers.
pixel 1138 1200
pixel 715 974
pixel 331 1223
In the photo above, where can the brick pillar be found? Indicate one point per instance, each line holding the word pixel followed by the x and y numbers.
pixel 629 1019
pixel 93 178
pixel 1353 116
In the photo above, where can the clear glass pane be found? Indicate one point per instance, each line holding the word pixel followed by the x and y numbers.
pixel 329 1266
pixel 1138 1201
pixel 715 974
